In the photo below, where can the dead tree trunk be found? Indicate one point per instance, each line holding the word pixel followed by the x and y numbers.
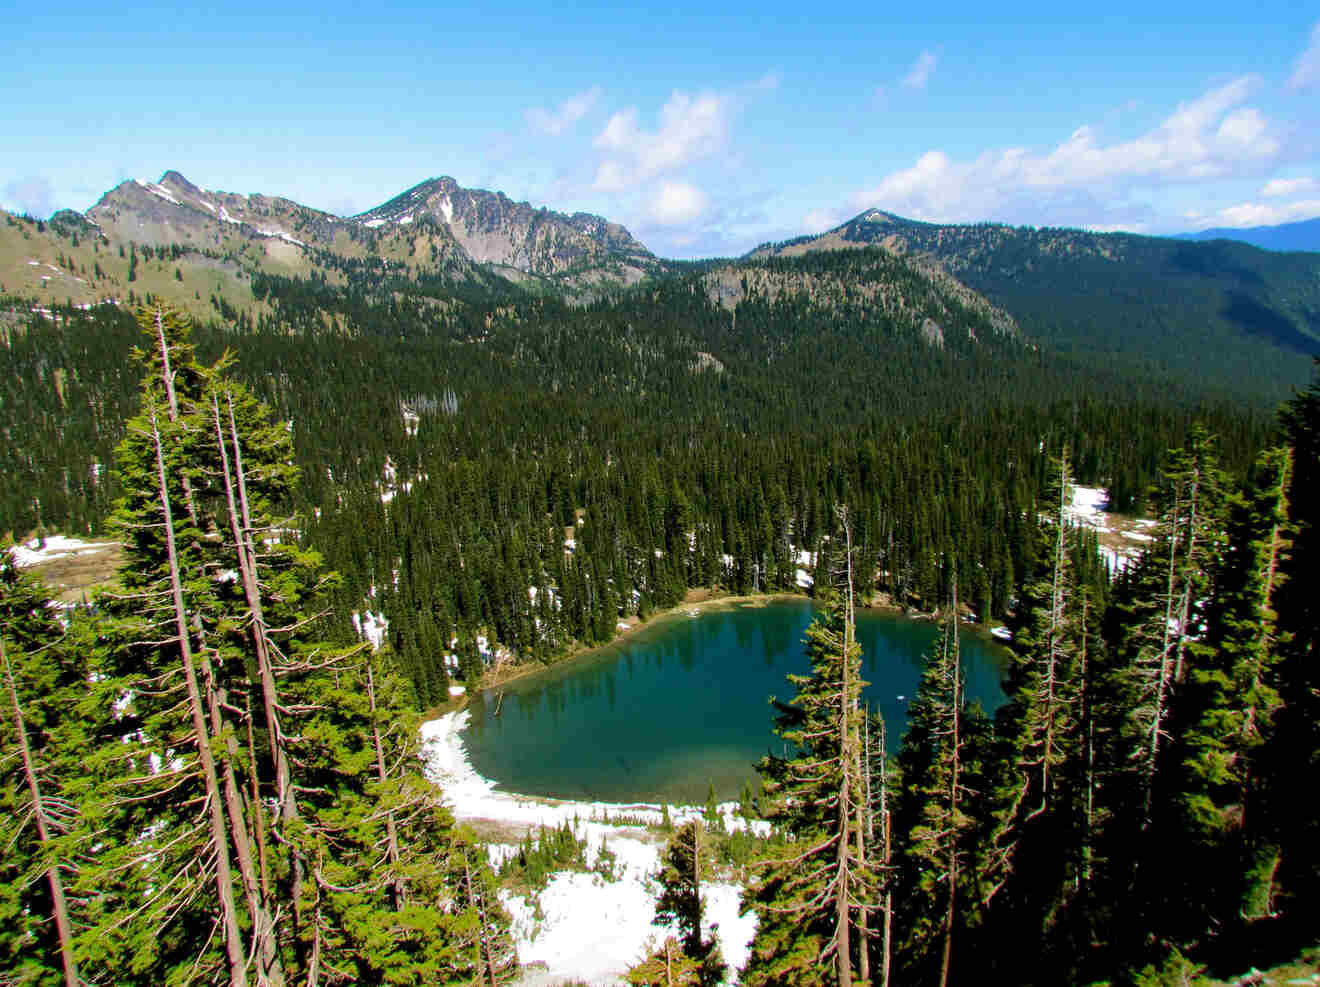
pixel 39 814
pixel 171 398
pixel 398 891
pixel 219 837
pixel 954 791
pixel 1162 673
pixel 1193 524
pixel 887 928
pixel 263 927
pixel 485 959
pixel 240 522
pixel 1056 627
pixel 847 755
pixel 862 826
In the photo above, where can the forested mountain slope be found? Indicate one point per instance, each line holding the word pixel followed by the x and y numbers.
pixel 448 438
pixel 1220 311
pixel 471 449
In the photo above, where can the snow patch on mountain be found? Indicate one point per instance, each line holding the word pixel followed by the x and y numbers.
pixel 155 189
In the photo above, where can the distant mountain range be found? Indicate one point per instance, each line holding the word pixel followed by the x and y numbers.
pixel 1223 312
pixel 1303 235
pixel 458 228
pixel 1222 309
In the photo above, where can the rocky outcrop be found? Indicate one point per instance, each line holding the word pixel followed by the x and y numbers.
pixel 494 229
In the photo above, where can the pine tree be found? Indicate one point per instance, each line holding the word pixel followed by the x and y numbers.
pixel 935 818
pixel 810 890
pixel 1285 885
pixel 878 829
pixel 395 894
pixel 1036 871
pixel 697 960
pixel 1233 703
pixel 1164 608
pixel 43 687
pixel 321 852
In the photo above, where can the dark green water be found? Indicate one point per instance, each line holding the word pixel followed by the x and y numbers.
pixel 683 704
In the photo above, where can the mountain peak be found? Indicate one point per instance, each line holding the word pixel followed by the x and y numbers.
pixel 456 225
pixel 172 179
pixel 494 229
pixel 879 217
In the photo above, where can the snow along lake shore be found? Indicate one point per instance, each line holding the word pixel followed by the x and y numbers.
pixel 591 930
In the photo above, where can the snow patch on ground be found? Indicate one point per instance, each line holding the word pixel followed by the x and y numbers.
pixel 57 547
pixel 1090 509
pixel 592 930
pixel 1089 505
pixel 371 627
pixel 280 234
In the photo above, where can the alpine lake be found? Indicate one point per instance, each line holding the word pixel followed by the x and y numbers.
pixel 682 704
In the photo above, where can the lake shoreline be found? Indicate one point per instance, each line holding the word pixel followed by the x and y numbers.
pixel 664 714
pixel 693 604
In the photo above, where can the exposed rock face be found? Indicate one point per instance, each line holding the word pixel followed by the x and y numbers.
pixel 493 229
pixel 174 210
pixel 457 228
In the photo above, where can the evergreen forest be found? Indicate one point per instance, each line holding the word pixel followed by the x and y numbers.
pixel 210 777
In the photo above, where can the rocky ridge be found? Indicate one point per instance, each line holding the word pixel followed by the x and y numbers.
pixel 471 226
pixel 494 229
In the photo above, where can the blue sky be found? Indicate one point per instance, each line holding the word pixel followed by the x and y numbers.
pixel 706 129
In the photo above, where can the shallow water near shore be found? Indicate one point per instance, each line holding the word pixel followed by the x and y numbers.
pixel 683 703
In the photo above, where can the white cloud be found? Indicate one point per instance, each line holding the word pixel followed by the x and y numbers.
pixel 32 195
pixel 1264 214
pixel 922 69
pixel 1283 188
pixel 555 122
pixel 691 127
pixel 820 220
pixel 1306 70
pixel 1214 136
pixel 677 202
pixel 1286 188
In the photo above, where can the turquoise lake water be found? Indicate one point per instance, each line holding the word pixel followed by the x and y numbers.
pixel 683 704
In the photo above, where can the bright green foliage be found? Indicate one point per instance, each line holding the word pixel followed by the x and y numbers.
pixel 668 966
pixel 936 815
pixel 540 855
pixel 795 889
pixel 395 894
pixel 345 867
pixel 45 674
